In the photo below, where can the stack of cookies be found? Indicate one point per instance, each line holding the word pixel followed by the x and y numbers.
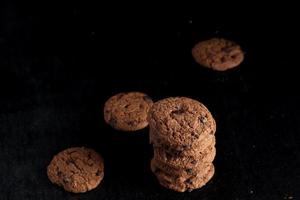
pixel 182 132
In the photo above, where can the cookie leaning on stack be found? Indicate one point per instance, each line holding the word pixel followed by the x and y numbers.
pixel 182 133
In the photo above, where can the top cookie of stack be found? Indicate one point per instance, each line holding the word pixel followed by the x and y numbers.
pixel 180 122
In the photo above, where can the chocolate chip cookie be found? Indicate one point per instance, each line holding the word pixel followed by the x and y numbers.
pixel 179 171
pixel 205 141
pixel 77 169
pixel 218 54
pixel 180 184
pixel 171 117
pixel 127 111
pixel 185 161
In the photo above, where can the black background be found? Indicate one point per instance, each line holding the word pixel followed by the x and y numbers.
pixel 59 63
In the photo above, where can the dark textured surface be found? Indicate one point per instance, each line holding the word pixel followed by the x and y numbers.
pixel 60 63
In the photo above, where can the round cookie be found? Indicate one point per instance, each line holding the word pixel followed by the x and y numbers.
pixel 188 162
pixel 76 169
pixel 187 185
pixel 127 111
pixel 179 175
pixel 180 122
pixel 206 140
pixel 218 54
pixel 194 153
pixel 180 172
pixel 181 184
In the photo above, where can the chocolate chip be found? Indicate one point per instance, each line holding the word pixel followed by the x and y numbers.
pixel 228 49
pixel 70 161
pixel 66 181
pixel 90 164
pixel 89 156
pixel 175 152
pixel 59 173
pixel 131 123
pixel 233 56
pixel 98 173
pixel 188 181
pixel 202 119
pixel 195 135
pixel 189 171
pixel 194 162
pixel 169 155
pixel 223 59
pixel 178 112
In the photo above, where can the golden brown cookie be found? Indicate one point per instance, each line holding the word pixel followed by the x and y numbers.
pixel 179 171
pixel 77 169
pixel 218 54
pixel 127 111
pixel 185 161
pixel 205 140
pixel 181 184
pixel 180 122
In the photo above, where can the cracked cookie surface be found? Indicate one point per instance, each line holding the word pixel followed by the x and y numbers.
pixel 180 122
pixel 76 169
pixel 218 54
pixel 127 111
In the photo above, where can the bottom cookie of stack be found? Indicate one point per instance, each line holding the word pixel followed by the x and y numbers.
pixel 182 183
